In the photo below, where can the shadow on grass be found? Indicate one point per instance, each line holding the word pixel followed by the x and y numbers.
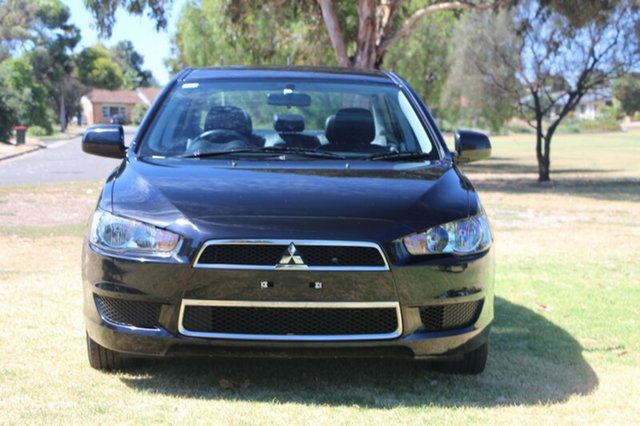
pixel 606 189
pixel 531 360
pixel 600 184
pixel 506 165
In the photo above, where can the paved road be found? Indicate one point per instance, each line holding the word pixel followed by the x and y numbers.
pixel 61 161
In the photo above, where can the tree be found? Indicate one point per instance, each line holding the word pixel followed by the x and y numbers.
pixel 423 58
pixel 627 90
pixel 25 97
pixel 95 68
pixel 469 98
pixel 104 12
pixel 130 62
pixel 587 49
pixel 7 116
pixel 17 19
pixel 41 30
pixel 251 32
pixel 378 29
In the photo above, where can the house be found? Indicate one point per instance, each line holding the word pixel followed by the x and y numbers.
pixel 591 104
pixel 99 105
pixel 589 107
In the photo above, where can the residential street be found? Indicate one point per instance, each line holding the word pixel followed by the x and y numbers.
pixel 61 161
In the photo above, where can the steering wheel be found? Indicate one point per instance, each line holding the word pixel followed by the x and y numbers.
pixel 216 137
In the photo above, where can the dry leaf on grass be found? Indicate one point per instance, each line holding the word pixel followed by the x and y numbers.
pixel 542 307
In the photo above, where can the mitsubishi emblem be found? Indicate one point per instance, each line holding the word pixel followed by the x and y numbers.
pixel 291 259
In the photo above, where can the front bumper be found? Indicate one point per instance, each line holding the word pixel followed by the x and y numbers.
pixel 413 287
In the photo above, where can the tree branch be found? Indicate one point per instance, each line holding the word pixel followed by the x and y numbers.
pixel 419 14
pixel 335 32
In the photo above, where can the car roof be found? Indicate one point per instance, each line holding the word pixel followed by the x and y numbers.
pixel 291 72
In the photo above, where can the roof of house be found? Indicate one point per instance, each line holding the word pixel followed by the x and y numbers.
pixel 113 96
pixel 148 94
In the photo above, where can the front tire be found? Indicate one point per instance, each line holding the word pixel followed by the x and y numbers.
pixel 473 362
pixel 104 359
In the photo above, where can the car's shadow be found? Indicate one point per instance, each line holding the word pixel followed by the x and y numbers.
pixel 531 360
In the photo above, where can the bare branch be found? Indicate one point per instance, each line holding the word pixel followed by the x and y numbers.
pixel 335 32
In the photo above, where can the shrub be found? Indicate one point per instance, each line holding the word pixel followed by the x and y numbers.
pixel 138 112
pixel 37 131
pixel 604 124
pixel 7 121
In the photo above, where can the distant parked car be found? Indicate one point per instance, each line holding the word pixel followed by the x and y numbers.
pixel 117 119
pixel 296 212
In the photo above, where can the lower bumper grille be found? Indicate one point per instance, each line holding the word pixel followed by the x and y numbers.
pixel 450 316
pixel 290 320
pixel 127 312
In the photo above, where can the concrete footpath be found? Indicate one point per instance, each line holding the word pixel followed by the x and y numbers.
pixel 10 151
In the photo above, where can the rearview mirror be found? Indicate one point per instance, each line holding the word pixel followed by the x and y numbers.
pixel 289 99
pixel 471 146
pixel 105 140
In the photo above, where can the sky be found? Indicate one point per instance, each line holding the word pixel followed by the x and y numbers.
pixel 154 46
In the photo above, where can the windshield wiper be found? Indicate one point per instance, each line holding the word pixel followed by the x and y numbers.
pixel 202 154
pixel 266 150
pixel 399 156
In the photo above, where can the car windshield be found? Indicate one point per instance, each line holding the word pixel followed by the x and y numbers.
pixel 256 118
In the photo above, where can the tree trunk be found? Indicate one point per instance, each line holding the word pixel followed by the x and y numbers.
pixel 63 114
pixel 542 150
pixel 335 32
pixel 366 49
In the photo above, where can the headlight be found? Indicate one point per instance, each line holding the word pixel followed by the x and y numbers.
pixel 125 236
pixel 465 236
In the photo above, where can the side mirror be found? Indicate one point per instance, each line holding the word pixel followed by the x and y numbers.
pixel 105 140
pixel 471 146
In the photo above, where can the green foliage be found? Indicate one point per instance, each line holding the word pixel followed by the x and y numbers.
pixel 96 69
pixel 52 61
pixel 469 96
pixel 422 58
pixel 250 33
pixel 627 91
pixel 37 131
pixel 138 112
pixel 24 96
pixel 7 118
pixel 601 124
pixel 104 12
pixel 130 62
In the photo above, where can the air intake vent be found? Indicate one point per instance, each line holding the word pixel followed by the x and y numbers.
pixel 127 312
pixel 291 320
pixel 450 316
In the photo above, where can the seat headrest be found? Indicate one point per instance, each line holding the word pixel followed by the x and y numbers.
pixel 228 118
pixel 288 123
pixel 352 126
pixel 328 126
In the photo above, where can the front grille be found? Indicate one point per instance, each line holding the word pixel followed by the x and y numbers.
pixel 127 312
pixel 450 316
pixel 291 323
pixel 268 255
pixel 242 254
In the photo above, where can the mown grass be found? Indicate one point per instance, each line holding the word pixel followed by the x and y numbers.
pixel 565 347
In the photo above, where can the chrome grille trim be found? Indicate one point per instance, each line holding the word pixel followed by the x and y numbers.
pixel 306 305
pixel 300 243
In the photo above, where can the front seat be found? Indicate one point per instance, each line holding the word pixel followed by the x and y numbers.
pixel 226 127
pixel 290 128
pixel 351 130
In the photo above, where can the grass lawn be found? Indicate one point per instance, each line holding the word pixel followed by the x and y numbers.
pixel 565 346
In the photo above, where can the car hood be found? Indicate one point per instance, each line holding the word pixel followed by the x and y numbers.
pixel 303 199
